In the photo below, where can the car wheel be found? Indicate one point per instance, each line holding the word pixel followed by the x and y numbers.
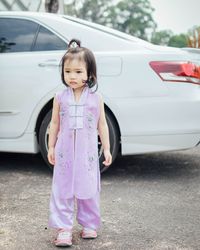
pixel 114 141
pixel 113 133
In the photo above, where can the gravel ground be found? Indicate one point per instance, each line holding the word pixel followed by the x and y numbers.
pixel 147 202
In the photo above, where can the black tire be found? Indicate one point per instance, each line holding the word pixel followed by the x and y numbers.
pixel 44 136
pixel 114 141
pixel 113 133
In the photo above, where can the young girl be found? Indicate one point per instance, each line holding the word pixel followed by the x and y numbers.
pixel 77 118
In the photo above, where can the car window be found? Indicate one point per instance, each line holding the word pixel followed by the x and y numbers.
pixel 16 35
pixel 47 40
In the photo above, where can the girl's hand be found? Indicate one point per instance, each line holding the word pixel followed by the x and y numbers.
pixel 51 155
pixel 108 158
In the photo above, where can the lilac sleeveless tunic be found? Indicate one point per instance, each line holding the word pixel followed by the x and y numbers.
pixel 76 170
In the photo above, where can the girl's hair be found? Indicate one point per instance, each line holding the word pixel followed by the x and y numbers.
pixel 75 50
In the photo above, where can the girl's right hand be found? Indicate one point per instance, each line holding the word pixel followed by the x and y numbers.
pixel 51 155
pixel 108 158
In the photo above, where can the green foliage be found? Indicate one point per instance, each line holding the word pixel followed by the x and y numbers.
pixel 90 10
pixel 179 41
pixel 131 16
pixel 166 37
pixel 161 37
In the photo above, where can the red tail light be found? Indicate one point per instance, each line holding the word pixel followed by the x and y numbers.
pixel 177 71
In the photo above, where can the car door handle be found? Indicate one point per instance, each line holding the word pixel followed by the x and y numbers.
pixel 49 63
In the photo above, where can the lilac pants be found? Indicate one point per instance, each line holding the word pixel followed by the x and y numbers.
pixel 62 212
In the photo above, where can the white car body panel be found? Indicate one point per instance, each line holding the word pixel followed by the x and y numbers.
pixel 152 115
pixel 19 101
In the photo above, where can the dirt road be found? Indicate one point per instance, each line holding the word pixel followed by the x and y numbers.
pixel 147 202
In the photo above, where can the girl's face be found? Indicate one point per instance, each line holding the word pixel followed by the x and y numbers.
pixel 75 73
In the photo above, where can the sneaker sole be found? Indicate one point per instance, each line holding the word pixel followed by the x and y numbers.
pixel 63 244
pixel 89 236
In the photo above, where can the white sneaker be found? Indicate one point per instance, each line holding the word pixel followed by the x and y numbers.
pixel 64 238
pixel 88 233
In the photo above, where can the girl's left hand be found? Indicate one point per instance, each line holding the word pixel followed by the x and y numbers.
pixel 108 157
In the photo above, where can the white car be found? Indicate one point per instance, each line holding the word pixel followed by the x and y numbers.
pixel 151 93
pixel 195 53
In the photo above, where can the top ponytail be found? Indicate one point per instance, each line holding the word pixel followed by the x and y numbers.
pixel 74 43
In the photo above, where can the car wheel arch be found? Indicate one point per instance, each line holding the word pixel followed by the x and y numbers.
pixel 109 111
pixel 45 109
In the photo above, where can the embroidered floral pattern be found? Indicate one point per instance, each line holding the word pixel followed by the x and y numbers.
pixel 62 117
pixel 90 120
pixel 92 160
pixel 60 155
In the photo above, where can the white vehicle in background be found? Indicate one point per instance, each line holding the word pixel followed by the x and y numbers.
pixel 194 53
pixel 151 93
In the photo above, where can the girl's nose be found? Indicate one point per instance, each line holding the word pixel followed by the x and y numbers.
pixel 72 75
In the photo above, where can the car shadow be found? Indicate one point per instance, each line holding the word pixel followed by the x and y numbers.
pixel 168 165
pixel 177 164
pixel 18 162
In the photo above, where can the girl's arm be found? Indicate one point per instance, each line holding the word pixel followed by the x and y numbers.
pixel 104 134
pixel 54 124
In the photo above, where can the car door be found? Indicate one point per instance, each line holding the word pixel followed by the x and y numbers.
pixel 29 61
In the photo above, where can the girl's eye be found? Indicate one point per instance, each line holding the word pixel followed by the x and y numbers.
pixel 66 71
pixel 78 71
